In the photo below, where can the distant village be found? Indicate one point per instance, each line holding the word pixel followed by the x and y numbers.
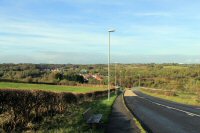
pixel 83 72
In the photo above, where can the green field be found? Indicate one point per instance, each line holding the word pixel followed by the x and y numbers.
pixel 55 88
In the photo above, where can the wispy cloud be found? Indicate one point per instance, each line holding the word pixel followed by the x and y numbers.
pixel 75 31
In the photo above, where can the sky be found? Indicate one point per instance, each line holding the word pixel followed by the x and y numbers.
pixel 76 31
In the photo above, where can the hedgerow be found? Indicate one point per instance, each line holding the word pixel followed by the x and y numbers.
pixel 22 107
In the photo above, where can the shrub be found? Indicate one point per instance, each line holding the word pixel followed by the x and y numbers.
pixel 67 82
pixel 27 106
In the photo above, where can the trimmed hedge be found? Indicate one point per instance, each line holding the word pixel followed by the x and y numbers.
pixel 26 106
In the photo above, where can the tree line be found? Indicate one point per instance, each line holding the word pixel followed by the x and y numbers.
pixel 181 77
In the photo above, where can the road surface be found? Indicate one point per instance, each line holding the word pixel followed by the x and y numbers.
pixel 162 116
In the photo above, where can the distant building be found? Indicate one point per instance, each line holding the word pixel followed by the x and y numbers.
pixel 75 67
pixel 56 70
pixel 91 67
pixel 97 77
pixel 91 76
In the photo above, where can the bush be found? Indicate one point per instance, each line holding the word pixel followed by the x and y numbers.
pixel 27 106
pixel 67 82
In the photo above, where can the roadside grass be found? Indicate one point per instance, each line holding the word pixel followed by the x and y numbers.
pixel 72 120
pixel 55 88
pixel 138 124
pixel 181 97
pixel 175 67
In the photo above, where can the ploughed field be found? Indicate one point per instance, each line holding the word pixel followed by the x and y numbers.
pixel 55 88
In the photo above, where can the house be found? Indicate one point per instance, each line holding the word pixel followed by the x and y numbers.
pixel 97 77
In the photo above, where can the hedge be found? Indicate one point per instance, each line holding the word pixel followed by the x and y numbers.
pixel 24 106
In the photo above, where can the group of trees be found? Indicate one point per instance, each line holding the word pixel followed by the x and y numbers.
pixel 184 77
pixel 162 76
pixel 40 73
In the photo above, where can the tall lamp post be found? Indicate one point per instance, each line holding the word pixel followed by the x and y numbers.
pixel 109 31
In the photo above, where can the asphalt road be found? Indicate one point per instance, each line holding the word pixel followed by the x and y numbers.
pixel 162 116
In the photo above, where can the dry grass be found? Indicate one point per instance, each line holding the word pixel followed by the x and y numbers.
pixel 179 97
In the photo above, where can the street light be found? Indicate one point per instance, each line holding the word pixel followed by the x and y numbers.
pixel 109 31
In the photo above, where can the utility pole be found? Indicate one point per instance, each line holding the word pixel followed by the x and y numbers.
pixel 139 79
pixel 133 78
pixel 120 78
pixel 115 78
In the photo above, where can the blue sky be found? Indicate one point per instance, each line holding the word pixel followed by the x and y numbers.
pixel 66 31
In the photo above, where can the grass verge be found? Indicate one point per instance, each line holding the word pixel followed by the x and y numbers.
pixel 138 124
pixel 181 97
pixel 55 88
pixel 72 121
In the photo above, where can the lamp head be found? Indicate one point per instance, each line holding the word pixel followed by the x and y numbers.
pixel 111 30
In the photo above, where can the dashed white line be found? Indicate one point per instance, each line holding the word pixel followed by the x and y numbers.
pixel 188 113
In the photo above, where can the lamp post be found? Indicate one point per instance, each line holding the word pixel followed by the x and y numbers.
pixel 109 31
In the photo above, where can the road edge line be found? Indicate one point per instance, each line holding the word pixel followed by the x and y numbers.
pixel 137 122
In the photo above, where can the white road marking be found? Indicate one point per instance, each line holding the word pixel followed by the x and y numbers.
pixel 191 114
pixel 188 113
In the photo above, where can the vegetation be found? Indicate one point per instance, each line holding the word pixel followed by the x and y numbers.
pixel 40 73
pixel 23 110
pixel 56 88
pixel 74 122
pixel 183 78
pixel 179 97
pixel 138 124
pixel 30 106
